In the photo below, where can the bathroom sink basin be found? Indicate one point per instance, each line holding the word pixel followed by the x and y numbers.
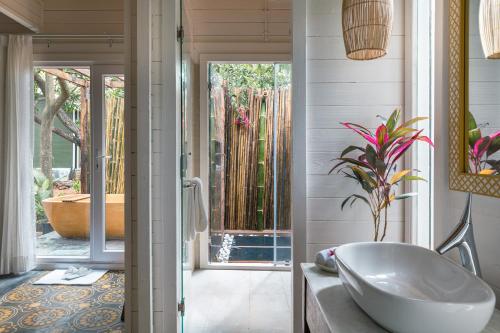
pixel 406 288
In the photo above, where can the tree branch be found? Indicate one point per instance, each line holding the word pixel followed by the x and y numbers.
pixel 63 134
pixel 63 96
pixel 40 82
pixel 68 123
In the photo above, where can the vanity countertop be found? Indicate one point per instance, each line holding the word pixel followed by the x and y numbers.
pixel 340 312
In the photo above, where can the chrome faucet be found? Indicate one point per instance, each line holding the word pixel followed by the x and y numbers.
pixel 463 238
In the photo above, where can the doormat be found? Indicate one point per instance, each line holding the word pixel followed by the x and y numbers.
pixel 56 277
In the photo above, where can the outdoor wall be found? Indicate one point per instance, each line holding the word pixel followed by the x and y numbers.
pixel 339 90
pixel 449 204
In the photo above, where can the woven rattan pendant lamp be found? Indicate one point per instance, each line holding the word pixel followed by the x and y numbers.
pixel 367 26
pixel 489 27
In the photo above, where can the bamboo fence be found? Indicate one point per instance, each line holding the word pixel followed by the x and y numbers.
pixel 241 160
pixel 115 145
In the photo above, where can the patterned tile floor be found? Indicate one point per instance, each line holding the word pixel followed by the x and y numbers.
pixel 63 309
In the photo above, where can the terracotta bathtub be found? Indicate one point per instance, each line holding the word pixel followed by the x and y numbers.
pixel 69 215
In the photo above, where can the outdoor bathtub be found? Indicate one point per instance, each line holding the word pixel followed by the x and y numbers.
pixel 69 215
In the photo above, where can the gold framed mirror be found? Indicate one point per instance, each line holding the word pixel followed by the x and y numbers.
pixel 474 92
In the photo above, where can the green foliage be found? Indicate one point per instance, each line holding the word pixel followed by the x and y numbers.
pixel 72 104
pixel 482 149
pixel 373 168
pixel 242 76
pixel 42 190
pixel 77 186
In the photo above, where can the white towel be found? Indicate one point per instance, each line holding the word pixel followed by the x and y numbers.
pixel 195 214
pixel 325 260
pixel 199 210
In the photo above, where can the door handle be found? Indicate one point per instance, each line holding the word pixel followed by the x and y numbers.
pixel 101 157
pixel 105 156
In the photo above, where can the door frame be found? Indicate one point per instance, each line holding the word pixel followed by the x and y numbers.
pixel 56 262
pixel 98 252
pixel 205 59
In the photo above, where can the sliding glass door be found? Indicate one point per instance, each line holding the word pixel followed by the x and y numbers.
pixel 79 163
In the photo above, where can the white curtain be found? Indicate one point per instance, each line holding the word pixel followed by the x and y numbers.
pixel 17 217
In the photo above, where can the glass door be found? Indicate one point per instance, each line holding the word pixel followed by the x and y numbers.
pixel 248 120
pixel 79 163
pixel 187 187
pixel 62 164
pixel 108 141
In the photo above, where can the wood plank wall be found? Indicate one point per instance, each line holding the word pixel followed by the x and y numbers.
pixel 89 17
pixel 8 25
pixel 238 26
pixel 28 13
pixel 344 90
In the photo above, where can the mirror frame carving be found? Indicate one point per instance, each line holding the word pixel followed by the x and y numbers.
pixel 459 180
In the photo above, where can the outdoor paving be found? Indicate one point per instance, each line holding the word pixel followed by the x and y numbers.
pixel 51 244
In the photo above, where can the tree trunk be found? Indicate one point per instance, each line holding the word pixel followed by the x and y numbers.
pixel 52 106
pixel 47 121
pixel 84 135
pixel 46 146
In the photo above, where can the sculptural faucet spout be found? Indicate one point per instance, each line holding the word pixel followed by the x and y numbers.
pixel 462 238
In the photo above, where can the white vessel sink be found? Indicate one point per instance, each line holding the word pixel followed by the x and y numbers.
pixel 406 289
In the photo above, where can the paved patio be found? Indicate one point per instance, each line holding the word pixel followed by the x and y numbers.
pixel 51 244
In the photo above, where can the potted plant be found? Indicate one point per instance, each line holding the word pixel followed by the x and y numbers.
pixel 374 167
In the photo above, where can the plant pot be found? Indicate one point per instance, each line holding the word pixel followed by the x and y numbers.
pixel 43 227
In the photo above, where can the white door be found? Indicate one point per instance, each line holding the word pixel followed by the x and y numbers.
pixel 108 136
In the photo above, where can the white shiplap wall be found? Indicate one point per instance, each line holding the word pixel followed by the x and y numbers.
pixel 89 17
pixel 237 26
pixel 26 12
pixel 338 90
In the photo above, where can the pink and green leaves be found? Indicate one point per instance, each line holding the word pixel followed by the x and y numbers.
pixel 482 149
pixel 373 166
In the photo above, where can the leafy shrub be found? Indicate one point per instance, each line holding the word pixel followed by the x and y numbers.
pixel 42 190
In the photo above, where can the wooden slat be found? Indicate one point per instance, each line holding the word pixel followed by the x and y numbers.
pixel 83 5
pixel 332 140
pixel 84 16
pixel 229 29
pixel 225 4
pixel 331 48
pixel 325 18
pixel 481 70
pixel 356 230
pixel 26 12
pixel 240 16
pixel 330 117
pixel 481 93
pixel 328 209
pixel 239 29
pixel 380 93
pixel 380 70
pixel 83 29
